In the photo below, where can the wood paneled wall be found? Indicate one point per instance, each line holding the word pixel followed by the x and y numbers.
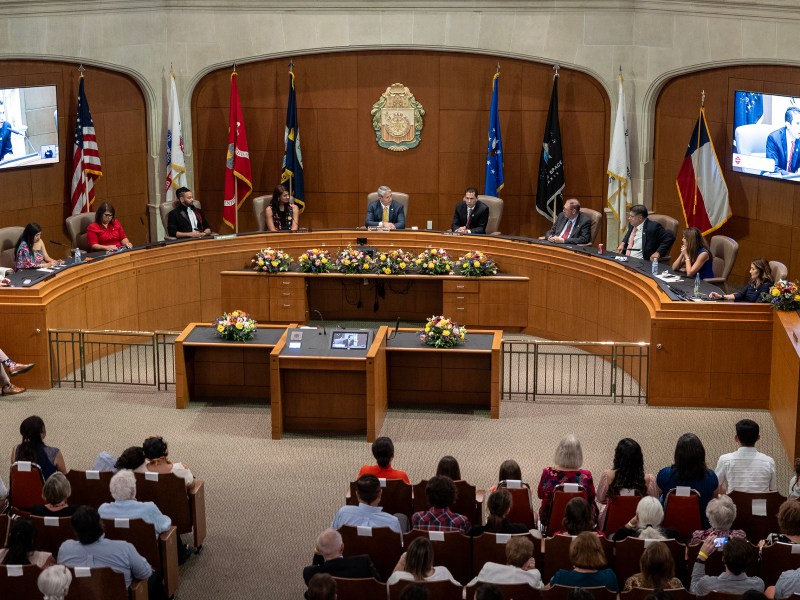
pixel 766 213
pixel 42 193
pixel 342 161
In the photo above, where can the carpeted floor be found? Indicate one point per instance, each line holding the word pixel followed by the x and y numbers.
pixel 268 499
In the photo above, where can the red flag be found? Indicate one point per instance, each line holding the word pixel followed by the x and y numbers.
pixel 238 176
pixel 85 158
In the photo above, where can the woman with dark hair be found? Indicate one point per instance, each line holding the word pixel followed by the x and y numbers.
pixel 626 477
pixel 106 233
pixel 34 449
pixel 30 252
pixel 577 518
pixel 509 470
pixel 695 256
pixel 416 564
pixel 19 549
pixel 657 570
pixel 690 469
pixel 759 284
pixel 156 461
pixel 281 213
pixel 131 458
pixel 498 505
pixel 448 466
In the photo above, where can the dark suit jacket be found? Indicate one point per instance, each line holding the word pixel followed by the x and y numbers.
pixel 178 220
pixel 478 221
pixel 776 150
pixel 581 233
pixel 397 214
pixel 357 566
pixel 654 238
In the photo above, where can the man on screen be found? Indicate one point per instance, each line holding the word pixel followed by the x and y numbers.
pixel 782 146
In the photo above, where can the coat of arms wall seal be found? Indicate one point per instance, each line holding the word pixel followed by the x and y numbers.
pixel 397 119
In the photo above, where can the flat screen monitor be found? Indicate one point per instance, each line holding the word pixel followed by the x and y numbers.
pixel 766 128
pixel 350 340
pixel 28 126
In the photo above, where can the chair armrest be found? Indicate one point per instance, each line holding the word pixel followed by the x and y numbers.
pixel 168 545
pixel 138 590
pixel 197 506
pixel 715 280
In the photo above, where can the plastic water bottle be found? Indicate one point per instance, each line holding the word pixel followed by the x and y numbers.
pixel 697 285
pixel 654 266
pixel 76 255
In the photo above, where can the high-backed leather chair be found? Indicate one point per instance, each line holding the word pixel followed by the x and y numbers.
pixel 597 218
pixel 779 270
pixel 667 223
pixel 723 253
pixel 495 205
pixel 400 197
pixel 76 228
pixel 8 242
pixel 259 206
pixel 165 208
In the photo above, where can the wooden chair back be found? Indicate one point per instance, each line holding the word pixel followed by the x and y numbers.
pixel 491 547
pixel 521 503
pixel 628 552
pixel 510 591
pixel 776 559
pixel 682 513
pixel 560 498
pixel 4 520
pixel 561 592
pixel 19 581
pixel 439 590
pixel 168 492
pixel 396 496
pixel 619 511
pixel 383 546
pixel 638 593
pixel 90 488
pixel 25 485
pixel 450 549
pixel 359 589
pixel 51 532
pixel 97 584
pixel 756 526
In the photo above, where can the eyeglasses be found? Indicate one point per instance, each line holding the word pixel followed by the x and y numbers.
pixel 108 215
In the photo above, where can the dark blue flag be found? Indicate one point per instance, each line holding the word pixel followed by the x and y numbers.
pixel 494 153
pixel 292 175
pixel 749 108
pixel 551 165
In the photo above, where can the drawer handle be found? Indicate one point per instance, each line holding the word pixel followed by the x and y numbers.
pixel 459 297
pixel 286 282
pixel 460 308
pixel 287 306
pixel 459 287
pixel 286 294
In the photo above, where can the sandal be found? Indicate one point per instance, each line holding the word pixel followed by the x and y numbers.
pixel 12 389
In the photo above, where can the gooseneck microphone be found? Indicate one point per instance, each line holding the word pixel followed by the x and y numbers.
pixel 396 327
pixel 57 243
pixel 319 314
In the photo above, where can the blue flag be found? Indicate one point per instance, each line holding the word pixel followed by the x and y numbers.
pixel 292 174
pixel 494 153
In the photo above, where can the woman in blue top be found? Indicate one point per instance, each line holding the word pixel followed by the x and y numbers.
pixel 759 284
pixel 690 469
pixel 34 449
pixel 694 257
pixel 588 565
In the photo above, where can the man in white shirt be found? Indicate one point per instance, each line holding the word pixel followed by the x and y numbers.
pixel 368 513
pixel 747 469
pixel 520 567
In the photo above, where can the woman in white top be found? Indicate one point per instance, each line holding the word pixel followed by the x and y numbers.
pixel 156 461
pixel 416 564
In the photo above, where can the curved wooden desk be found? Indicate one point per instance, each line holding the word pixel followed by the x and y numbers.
pixel 703 354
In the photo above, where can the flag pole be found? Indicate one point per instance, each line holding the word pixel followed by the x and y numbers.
pixel 291 179
pixel 556 67
pixel 700 118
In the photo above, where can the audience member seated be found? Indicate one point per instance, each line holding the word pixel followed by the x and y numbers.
pixel 509 470
pixel 734 580
pixel 281 214
pixel 759 284
pixel 321 587
pixel 329 558
pixel 441 493
pixel 415 591
pixel 20 546
pixel 519 568
pixel 588 565
pixel 646 524
pixel 106 233
pixel 35 450
pixel 577 518
pixel 657 570
pixel 448 467
pixel 788 585
pixel 627 477
pixel 721 513
pixel 498 504
pixel 6 387
pixel 788 524
pixel 747 469
pixel 383 451
pixel 132 458
pixel 54 582
pixel 30 252
pixel 568 460
pixel 155 453
pixel 416 564
pixel 55 493
pixel 690 469
pixel 125 505
pixel 368 512
pixel 794 485
pixel 695 257
pixel 92 549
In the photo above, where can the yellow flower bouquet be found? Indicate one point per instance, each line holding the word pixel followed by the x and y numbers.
pixel 476 264
pixel 433 262
pixel 441 332
pixel 352 260
pixel 236 326
pixel 316 260
pixel 393 262
pixel 268 260
pixel 783 295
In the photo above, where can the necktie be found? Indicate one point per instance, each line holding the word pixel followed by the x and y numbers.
pixel 631 240
pixel 385 215
pixel 567 231
pixel 469 216
pixel 790 156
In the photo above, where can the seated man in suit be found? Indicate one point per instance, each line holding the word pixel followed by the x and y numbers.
pixel 470 216
pixel 385 212
pixel 782 146
pixel 644 239
pixel 329 559
pixel 571 226
pixel 186 221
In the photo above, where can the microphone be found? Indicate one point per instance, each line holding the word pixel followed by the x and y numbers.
pixel 396 327
pixel 57 243
pixel 319 314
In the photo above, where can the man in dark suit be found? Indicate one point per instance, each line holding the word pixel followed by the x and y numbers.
pixel 329 559
pixel 187 221
pixel 644 239
pixel 782 146
pixel 571 226
pixel 470 216
pixel 385 212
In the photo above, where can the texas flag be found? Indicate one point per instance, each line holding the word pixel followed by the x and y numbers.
pixel 701 186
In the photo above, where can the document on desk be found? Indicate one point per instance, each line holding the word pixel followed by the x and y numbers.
pixel 669 277
pixel 45 270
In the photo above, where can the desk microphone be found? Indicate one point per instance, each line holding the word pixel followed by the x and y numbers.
pixel 319 314
pixel 396 327
pixel 57 243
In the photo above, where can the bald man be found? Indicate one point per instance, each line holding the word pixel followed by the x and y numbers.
pixel 329 559
pixel 571 226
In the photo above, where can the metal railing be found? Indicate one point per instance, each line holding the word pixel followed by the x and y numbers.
pixel 614 370
pixel 81 356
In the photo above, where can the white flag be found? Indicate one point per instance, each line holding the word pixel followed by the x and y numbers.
pixel 619 165
pixel 176 164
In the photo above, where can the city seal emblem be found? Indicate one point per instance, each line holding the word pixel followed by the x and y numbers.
pixel 397 119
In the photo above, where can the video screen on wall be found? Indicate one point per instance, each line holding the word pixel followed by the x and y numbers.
pixel 766 128
pixel 28 126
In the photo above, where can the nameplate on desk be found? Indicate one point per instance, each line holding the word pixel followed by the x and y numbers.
pixel 228 236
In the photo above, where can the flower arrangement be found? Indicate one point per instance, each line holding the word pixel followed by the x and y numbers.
pixel 236 326
pixel 433 262
pixel 316 260
pixel 268 260
pixel 783 295
pixel 394 262
pixel 441 332
pixel 476 264
pixel 352 260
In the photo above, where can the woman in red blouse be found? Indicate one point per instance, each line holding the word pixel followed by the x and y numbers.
pixel 106 233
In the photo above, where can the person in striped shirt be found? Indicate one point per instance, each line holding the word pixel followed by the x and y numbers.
pixel 747 469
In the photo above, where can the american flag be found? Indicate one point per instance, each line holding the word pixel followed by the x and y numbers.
pixel 85 158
